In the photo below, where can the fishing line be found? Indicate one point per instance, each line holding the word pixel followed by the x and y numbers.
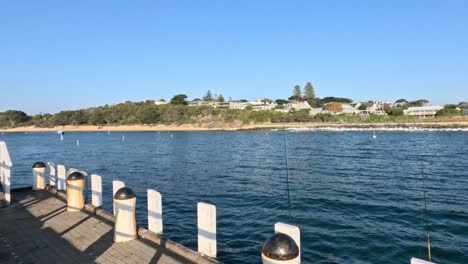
pixel 62 139
pixel 426 217
pixel 287 173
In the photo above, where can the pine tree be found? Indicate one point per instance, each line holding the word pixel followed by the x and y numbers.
pixel 220 98
pixel 297 94
pixel 309 92
pixel 208 97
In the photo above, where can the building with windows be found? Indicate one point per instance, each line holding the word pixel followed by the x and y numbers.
pixel 297 105
pixel 423 111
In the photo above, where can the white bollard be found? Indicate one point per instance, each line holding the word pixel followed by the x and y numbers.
pixel 291 230
pixel 155 221
pixel 61 177
pixel 206 219
pixel 52 173
pixel 96 190
pixel 116 185
pixel 281 248
pixel 5 171
pixel 125 219
pixel 75 187
pixel 420 261
pixel 38 179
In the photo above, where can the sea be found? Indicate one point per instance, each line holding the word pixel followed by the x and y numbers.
pixel 355 198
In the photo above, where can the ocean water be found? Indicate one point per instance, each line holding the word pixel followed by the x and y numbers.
pixel 355 199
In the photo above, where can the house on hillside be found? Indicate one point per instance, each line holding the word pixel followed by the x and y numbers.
pixel 423 111
pixel 160 102
pixel 297 105
pixel 372 108
pixel 223 104
pixel 198 102
pixel 262 105
pixel 349 109
pixel 238 105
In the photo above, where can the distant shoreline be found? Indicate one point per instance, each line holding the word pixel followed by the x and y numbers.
pixel 231 127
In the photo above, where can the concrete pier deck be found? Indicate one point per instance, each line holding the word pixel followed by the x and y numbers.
pixel 36 228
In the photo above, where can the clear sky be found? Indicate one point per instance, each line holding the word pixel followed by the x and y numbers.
pixel 57 55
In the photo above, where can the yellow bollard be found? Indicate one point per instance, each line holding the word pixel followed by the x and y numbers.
pixel 280 249
pixel 75 186
pixel 125 221
pixel 38 180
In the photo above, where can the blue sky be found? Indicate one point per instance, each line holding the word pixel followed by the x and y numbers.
pixel 57 55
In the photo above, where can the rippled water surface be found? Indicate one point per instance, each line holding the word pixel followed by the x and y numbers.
pixel 356 200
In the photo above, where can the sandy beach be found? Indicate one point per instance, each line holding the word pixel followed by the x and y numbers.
pixel 234 127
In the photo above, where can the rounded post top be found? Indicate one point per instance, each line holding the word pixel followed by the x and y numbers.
pixel 38 165
pixel 280 247
pixel 75 176
pixel 124 193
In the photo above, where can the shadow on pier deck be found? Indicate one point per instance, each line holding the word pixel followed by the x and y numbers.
pixel 36 228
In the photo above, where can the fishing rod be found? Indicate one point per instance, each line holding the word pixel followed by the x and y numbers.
pixel 426 218
pixel 287 173
pixel 62 140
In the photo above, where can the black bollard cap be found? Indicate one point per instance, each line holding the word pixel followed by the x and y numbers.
pixel 39 164
pixel 75 176
pixel 280 247
pixel 124 193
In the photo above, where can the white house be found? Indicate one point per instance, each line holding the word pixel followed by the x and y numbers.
pixel 198 102
pixel 423 111
pixel 160 102
pixel 372 108
pixel 297 105
pixel 262 105
pixel 238 105
pixel 349 109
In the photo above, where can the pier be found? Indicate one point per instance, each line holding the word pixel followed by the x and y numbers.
pixel 36 228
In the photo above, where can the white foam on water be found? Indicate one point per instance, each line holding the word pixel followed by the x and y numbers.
pixel 351 129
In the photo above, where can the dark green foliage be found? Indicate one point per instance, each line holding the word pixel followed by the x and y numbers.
pixel 297 94
pixel 12 118
pixel 177 113
pixel 397 111
pixel 362 107
pixel 403 103
pixel 463 105
pixel 448 111
pixel 309 92
pixel 315 102
pixel 419 102
pixel 450 106
pixel 179 99
pixel 281 101
pixel 220 98
pixel 208 97
pixel 149 115
pixel 335 99
pixel 70 118
pixel 301 116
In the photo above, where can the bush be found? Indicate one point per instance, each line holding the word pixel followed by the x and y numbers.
pixel 448 112
pixel 397 111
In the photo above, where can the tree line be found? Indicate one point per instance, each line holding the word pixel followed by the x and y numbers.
pixel 178 112
pixel 308 94
pixel 147 112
